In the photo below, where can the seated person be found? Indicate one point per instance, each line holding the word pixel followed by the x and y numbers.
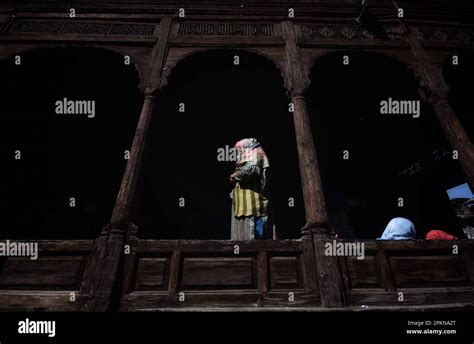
pixel 436 234
pixel 399 228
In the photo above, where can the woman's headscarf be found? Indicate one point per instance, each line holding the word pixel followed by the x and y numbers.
pixel 399 228
pixel 436 234
pixel 249 151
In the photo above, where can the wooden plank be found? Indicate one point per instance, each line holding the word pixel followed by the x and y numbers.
pixel 262 267
pixel 218 246
pixel 421 296
pixel 309 266
pixel 421 270
pixel 43 272
pixel 65 245
pixel 345 274
pixel 223 272
pixel 78 39
pixel 129 265
pixel 284 272
pixel 27 301
pixel 362 272
pixel 152 273
pixel 174 272
pixel 214 298
pixel 384 271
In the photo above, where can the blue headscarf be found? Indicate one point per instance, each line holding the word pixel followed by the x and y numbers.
pixel 399 228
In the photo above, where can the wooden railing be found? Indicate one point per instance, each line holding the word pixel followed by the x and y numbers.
pixel 418 272
pixel 177 274
pixel 51 282
pixel 263 273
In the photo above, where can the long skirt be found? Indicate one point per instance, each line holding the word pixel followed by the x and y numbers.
pixel 249 227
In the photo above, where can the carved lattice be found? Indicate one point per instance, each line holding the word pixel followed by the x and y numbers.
pixel 225 29
pixel 32 26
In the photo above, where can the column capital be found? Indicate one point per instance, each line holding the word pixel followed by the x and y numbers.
pixel 316 228
pixel 151 89
pixel 298 91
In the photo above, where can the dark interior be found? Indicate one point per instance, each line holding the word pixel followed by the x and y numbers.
pixel 362 192
pixel 64 155
pixel 459 79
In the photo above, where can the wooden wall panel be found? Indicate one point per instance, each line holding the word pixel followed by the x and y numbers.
pixel 285 272
pixel 429 270
pixel 55 272
pixel 362 273
pixel 218 272
pixel 152 273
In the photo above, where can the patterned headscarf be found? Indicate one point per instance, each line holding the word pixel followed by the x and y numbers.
pixel 399 228
pixel 249 151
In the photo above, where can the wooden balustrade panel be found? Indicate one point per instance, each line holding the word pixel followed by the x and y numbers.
pixel 410 273
pixel 47 282
pixel 217 274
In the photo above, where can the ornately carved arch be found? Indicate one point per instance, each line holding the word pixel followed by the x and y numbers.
pixel 173 61
pixel 14 50
pixel 405 57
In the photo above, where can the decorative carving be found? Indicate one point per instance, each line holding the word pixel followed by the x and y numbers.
pixel 344 32
pixel 226 29
pixel 436 34
pixel 35 26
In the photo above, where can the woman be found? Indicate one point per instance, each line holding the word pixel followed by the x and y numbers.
pixel 399 228
pixel 250 204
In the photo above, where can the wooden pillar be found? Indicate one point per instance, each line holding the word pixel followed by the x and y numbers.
pixel 317 224
pixel 121 215
pixel 105 259
pixel 434 91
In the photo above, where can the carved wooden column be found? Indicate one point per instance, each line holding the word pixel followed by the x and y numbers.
pixel 329 276
pixel 434 91
pixel 104 262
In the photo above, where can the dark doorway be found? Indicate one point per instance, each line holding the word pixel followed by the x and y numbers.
pixel 223 103
pixel 64 156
